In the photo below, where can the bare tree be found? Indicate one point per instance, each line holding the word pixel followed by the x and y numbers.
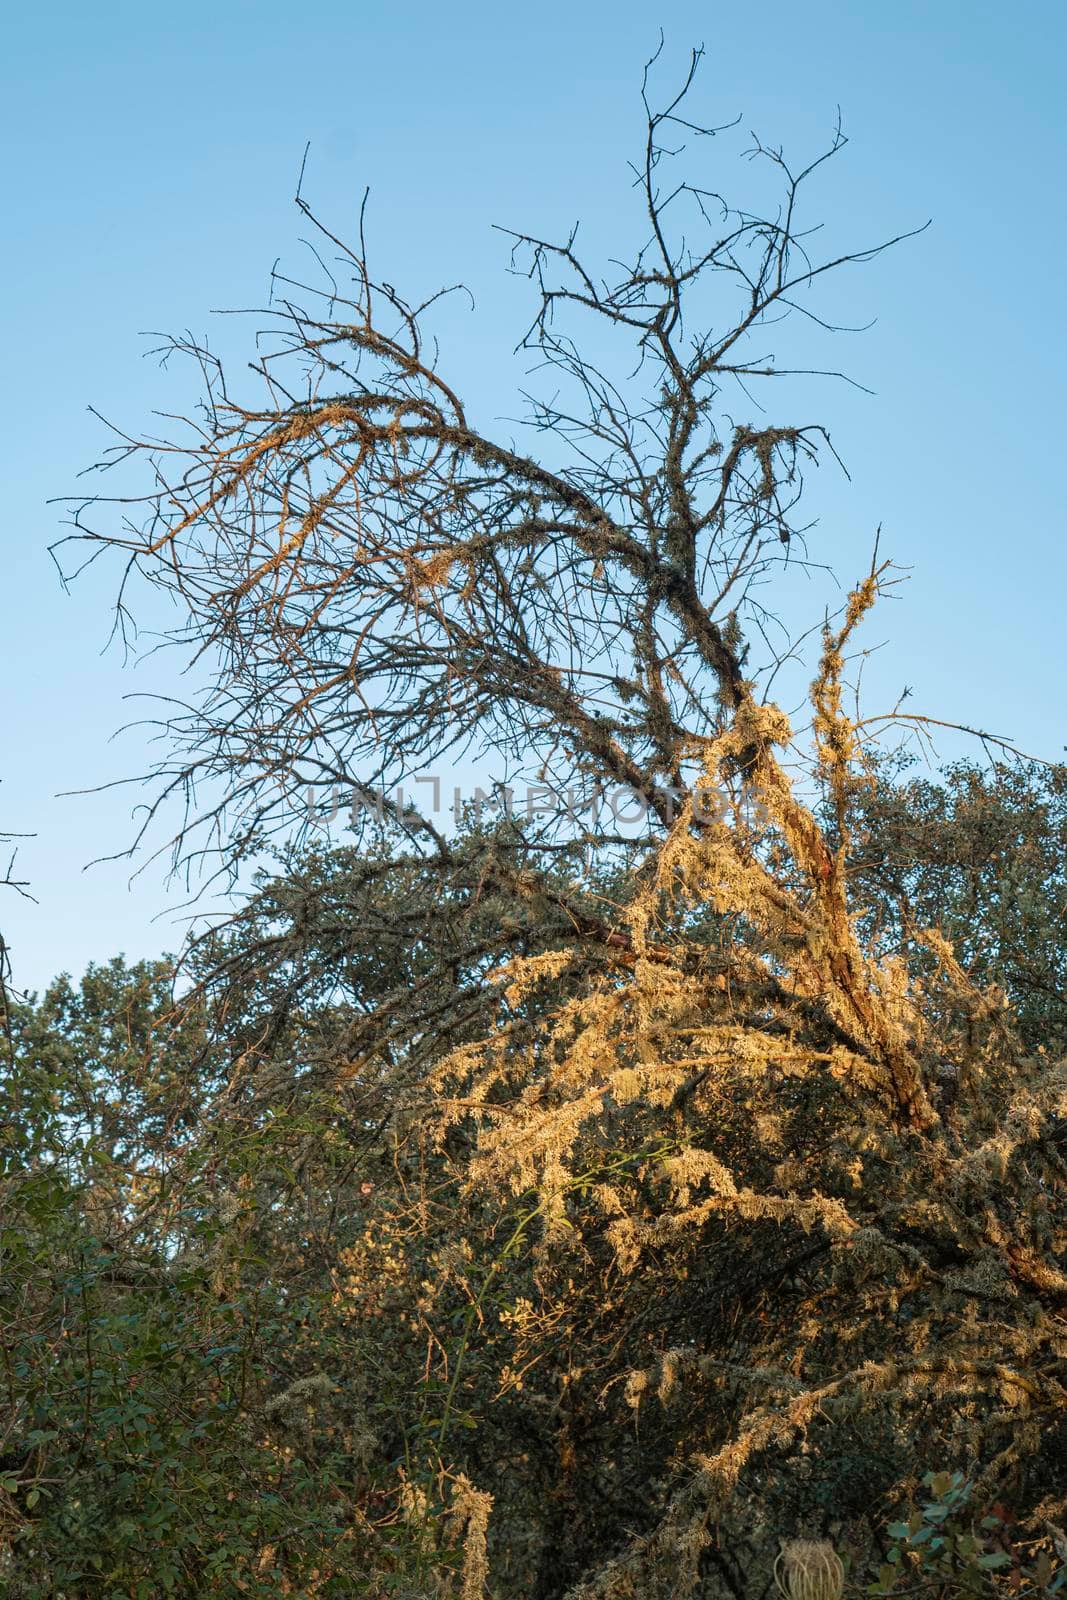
pixel 376 582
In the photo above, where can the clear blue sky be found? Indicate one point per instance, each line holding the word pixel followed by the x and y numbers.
pixel 152 154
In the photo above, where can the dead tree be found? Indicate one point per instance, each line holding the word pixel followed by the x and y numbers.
pixel 374 582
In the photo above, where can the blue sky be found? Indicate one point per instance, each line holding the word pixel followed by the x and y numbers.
pixel 152 155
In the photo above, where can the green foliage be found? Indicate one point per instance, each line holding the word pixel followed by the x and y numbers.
pixel 945 1545
pixel 981 853
pixel 183 1413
